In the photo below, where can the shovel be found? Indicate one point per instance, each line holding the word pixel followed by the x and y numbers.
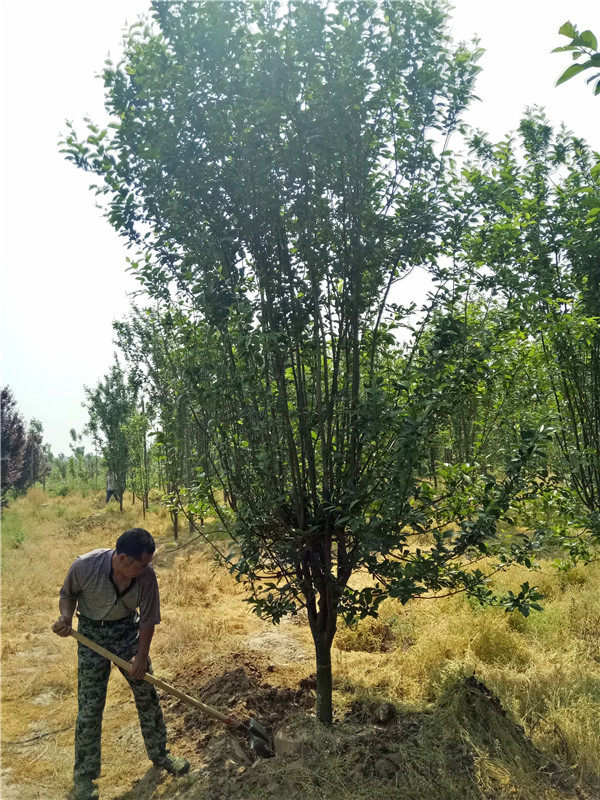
pixel 260 740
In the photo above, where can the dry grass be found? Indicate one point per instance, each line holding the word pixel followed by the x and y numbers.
pixel 545 669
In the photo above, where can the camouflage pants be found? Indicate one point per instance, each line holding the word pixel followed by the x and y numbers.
pixel 120 638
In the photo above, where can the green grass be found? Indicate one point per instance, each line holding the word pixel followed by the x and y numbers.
pixel 13 533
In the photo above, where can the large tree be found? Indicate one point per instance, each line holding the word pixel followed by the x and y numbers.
pixel 279 168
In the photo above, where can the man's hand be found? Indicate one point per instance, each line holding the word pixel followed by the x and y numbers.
pixel 62 626
pixel 139 666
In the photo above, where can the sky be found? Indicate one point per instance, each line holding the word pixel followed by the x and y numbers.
pixel 64 278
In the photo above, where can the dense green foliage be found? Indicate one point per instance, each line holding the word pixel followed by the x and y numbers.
pixel 278 170
pixel 532 239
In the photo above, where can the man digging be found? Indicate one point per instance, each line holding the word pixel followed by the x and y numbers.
pixel 108 587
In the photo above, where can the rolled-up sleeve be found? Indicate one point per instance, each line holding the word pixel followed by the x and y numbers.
pixel 150 601
pixel 71 588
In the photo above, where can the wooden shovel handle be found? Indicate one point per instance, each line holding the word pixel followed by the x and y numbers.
pixel 186 698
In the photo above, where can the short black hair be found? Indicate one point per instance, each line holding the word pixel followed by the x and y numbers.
pixel 134 542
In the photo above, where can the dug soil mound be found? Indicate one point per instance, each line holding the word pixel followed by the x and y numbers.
pixel 464 748
pixel 234 686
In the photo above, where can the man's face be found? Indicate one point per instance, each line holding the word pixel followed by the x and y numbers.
pixel 133 568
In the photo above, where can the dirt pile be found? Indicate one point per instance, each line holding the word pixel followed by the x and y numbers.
pixel 238 690
pixel 465 748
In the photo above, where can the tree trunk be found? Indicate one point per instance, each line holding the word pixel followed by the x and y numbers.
pixel 146 488
pixel 175 525
pixel 324 682
pixel 432 462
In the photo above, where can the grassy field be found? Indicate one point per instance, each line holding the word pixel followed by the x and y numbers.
pixel 544 669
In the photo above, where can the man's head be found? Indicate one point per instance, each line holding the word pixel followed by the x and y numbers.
pixel 134 552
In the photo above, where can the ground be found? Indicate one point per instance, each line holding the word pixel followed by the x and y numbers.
pixel 411 720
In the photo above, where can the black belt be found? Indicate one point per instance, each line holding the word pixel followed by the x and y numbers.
pixel 106 623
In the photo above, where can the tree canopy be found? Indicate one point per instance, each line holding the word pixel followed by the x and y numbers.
pixel 277 169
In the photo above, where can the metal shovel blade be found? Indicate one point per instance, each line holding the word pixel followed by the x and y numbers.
pixel 261 741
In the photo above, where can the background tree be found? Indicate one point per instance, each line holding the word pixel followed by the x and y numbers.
pixel 533 241
pixel 80 465
pixel 61 464
pixel 137 431
pixel 14 440
pixel 47 464
pixel 111 405
pixel 153 350
pixel 497 373
pixel 25 458
pixel 34 460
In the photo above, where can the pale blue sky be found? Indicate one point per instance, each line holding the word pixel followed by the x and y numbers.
pixel 63 267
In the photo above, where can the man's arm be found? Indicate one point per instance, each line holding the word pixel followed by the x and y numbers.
pixel 149 618
pixel 62 626
pixel 141 661
pixel 67 601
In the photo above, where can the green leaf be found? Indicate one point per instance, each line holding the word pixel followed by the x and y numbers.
pixel 569 73
pixel 568 30
pixel 588 39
